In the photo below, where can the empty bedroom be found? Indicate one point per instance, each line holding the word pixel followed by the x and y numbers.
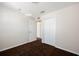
pixel 39 28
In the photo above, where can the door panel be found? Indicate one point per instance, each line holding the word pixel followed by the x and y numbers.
pixel 32 30
pixel 48 31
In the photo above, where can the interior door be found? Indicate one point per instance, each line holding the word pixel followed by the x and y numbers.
pixel 48 31
pixel 32 30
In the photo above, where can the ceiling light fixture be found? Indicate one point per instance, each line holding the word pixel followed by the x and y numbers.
pixel 42 12
pixel 28 14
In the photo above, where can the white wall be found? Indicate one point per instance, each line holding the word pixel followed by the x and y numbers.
pixel 67 28
pixel 14 28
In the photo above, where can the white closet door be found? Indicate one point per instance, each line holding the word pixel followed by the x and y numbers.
pixel 48 31
pixel 32 30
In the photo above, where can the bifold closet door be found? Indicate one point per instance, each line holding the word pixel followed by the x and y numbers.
pixel 48 30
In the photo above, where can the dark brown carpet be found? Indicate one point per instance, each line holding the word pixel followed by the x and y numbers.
pixel 36 48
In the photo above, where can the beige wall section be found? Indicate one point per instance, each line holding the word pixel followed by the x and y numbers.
pixel 67 28
pixel 14 28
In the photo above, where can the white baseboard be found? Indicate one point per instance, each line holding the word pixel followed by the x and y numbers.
pixel 63 48
pixel 43 42
pixel 66 49
pixel 11 47
pixel 15 46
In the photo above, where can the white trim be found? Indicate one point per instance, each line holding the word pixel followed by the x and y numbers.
pixel 11 47
pixel 66 49
pixel 15 46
